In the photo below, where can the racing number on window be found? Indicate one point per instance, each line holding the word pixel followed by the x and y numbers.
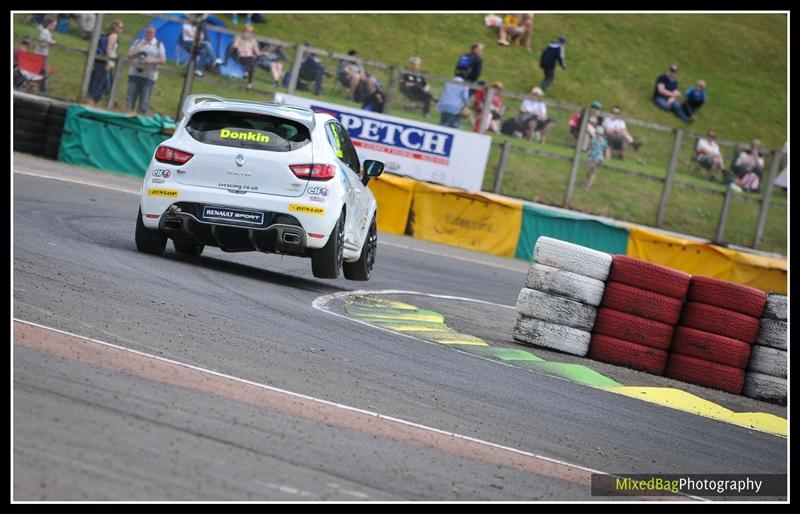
pixel 343 147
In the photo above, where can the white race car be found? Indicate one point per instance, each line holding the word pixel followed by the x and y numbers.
pixel 254 176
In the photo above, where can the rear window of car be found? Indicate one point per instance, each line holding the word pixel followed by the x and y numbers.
pixel 248 130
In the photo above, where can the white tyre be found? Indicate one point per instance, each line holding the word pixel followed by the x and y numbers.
pixel 775 307
pixel 555 309
pixel 552 280
pixel 765 387
pixel 536 332
pixel 772 332
pixel 571 257
pixel 769 361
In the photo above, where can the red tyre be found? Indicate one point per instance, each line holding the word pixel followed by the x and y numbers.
pixel 621 325
pixel 727 295
pixel 625 353
pixel 710 318
pixel 649 276
pixel 710 347
pixel 705 373
pixel 645 304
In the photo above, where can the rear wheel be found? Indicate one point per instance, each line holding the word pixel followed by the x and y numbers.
pixel 327 261
pixel 363 267
pixel 188 248
pixel 149 241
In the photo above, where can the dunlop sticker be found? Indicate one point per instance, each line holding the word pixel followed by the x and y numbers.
pixel 168 193
pixel 244 135
pixel 306 209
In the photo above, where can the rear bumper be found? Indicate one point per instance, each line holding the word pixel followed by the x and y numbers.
pixel 156 210
pixel 285 236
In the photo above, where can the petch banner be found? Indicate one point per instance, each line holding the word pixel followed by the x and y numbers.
pixel 415 149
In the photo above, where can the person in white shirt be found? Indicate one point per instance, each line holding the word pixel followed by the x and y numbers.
pixel 43 44
pixel 146 56
pixel 533 117
pixel 617 133
pixel 206 58
pixel 708 155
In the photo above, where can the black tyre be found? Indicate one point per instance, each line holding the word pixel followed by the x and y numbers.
pixel 363 267
pixel 188 248
pixel 327 261
pixel 149 241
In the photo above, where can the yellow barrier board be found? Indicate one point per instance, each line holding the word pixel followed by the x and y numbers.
pixel 481 222
pixel 393 194
pixel 765 273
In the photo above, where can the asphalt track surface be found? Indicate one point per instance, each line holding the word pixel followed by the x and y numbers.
pixel 92 422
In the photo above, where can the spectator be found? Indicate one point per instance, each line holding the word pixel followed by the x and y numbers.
pixel 206 58
pixel 598 151
pixel 270 60
pixel 577 119
pixel 247 52
pixel 469 66
pixel 415 87
pixel 708 155
pixel 102 76
pixel 533 117
pixel 86 22
pixel 492 123
pixel 552 55
pixel 369 94
pixel 695 98
pixel 617 134
pixel 454 98
pixel 666 93
pixel 311 70
pixel 24 46
pixel 749 162
pixel 515 27
pixel 147 55
pixel 350 73
pixel 43 44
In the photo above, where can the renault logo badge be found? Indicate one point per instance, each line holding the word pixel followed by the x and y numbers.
pixel 240 160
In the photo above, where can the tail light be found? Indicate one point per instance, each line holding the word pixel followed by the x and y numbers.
pixel 169 155
pixel 314 171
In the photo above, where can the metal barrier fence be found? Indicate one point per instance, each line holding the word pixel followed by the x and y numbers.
pixel 666 173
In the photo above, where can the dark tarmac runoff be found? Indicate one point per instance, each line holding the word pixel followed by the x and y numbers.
pixel 215 378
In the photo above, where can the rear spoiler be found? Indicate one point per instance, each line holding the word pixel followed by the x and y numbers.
pixel 300 114
pixel 190 101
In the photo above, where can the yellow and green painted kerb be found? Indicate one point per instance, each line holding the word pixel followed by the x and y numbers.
pixel 503 226
pixel 431 326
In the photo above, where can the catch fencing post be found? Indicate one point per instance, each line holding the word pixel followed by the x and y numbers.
pixel 673 164
pixel 390 90
pixel 723 217
pixel 119 67
pixel 501 167
pixel 576 159
pixel 765 201
pixel 87 70
pixel 298 60
pixel 187 81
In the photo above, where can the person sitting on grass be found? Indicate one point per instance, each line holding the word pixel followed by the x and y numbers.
pixel 666 93
pixel 749 167
pixel 695 98
pixel 617 133
pixel 707 154
pixel 533 117
pixel 414 86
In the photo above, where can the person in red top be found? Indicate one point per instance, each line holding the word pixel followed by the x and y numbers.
pixel 493 121
pixel 24 47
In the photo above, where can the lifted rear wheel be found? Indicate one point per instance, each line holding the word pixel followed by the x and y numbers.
pixel 327 261
pixel 149 241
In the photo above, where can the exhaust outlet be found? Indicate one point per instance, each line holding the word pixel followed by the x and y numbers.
pixel 291 238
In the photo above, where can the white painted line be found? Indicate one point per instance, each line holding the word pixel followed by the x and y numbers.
pixel 465 259
pixel 313 399
pixel 32 173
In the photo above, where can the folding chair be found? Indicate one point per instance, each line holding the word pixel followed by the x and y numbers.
pixel 31 66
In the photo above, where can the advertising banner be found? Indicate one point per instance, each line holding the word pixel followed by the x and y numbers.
pixel 415 149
